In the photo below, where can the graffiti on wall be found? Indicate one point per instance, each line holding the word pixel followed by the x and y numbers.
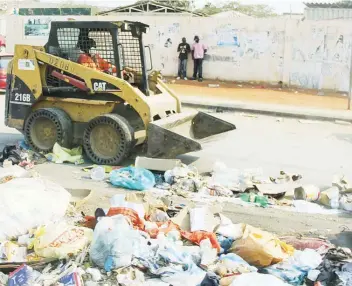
pixel 163 44
pixel 227 36
pixel 328 49
pixel 246 44
pixel 338 48
pixel 307 80
pixel 165 35
pixel 318 56
pixel 309 50
pixel 218 58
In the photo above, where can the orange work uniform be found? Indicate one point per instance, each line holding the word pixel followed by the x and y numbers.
pixel 96 62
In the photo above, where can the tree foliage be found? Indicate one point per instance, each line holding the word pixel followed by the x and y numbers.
pixel 183 4
pixel 255 10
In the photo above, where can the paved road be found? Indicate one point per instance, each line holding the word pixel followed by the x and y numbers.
pixel 315 150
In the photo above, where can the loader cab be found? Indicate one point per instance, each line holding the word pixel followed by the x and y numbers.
pixel 118 46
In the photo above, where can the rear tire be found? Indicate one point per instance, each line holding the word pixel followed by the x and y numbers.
pixel 108 139
pixel 47 126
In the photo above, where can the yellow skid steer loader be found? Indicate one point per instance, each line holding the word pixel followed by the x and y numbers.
pixel 90 85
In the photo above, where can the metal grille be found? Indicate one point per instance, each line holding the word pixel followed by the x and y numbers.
pixel 131 55
pixel 90 47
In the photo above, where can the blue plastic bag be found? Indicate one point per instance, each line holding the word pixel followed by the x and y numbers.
pixel 132 178
pixel 295 269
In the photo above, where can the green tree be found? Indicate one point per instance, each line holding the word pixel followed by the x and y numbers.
pixel 183 4
pixel 210 9
pixel 255 10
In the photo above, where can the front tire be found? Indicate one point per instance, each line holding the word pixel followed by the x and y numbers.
pixel 47 126
pixel 108 139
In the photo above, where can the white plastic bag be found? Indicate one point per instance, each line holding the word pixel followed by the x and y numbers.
pixel 224 176
pixel 228 229
pixel 14 171
pixel 115 242
pixel 251 279
pixel 233 179
pixel 27 203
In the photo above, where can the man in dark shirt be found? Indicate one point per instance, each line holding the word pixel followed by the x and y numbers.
pixel 184 49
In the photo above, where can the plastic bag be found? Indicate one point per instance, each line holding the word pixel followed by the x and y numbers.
pixel 59 240
pixel 174 266
pixel 230 264
pixel 159 216
pixel 197 236
pixel 295 270
pixel 228 229
pixel 224 176
pixel 257 199
pixel 233 179
pixel 208 253
pixel 346 202
pixel 13 171
pixel 132 178
pixel 61 155
pixel 27 203
pixel 256 279
pixel 11 252
pixel 261 248
pixel 301 243
pixel 115 243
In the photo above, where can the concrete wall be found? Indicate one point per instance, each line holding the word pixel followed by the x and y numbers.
pixel 309 54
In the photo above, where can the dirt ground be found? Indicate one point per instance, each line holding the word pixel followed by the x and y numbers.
pixel 261 93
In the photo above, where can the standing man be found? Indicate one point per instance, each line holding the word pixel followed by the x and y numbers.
pixel 198 51
pixel 183 49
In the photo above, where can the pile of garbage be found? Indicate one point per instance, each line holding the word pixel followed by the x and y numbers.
pixel 142 239
pixel 248 186
pixel 21 155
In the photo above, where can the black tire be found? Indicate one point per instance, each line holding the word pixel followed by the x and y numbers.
pixel 108 139
pixel 60 126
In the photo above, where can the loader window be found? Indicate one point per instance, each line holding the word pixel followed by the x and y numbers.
pixel 74 42
pixel 131 54
pixel 68 39
pixel 104 45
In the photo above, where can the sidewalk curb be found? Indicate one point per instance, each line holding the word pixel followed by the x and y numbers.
pixel 270 112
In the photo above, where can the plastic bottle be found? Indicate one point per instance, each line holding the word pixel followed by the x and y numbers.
pixel 97 173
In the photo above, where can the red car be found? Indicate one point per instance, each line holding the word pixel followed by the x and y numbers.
pixel 4 61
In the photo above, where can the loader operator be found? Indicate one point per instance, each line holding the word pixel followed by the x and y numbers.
pixel 94 61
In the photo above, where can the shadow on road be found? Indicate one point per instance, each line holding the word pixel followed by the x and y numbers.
pixel 9 138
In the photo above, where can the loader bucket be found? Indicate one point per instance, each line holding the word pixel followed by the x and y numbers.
pixel 178 133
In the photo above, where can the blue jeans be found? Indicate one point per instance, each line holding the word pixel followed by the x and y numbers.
pixel 182 68
pixel 198 68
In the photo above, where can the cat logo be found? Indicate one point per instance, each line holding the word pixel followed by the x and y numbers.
pixel 99 86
